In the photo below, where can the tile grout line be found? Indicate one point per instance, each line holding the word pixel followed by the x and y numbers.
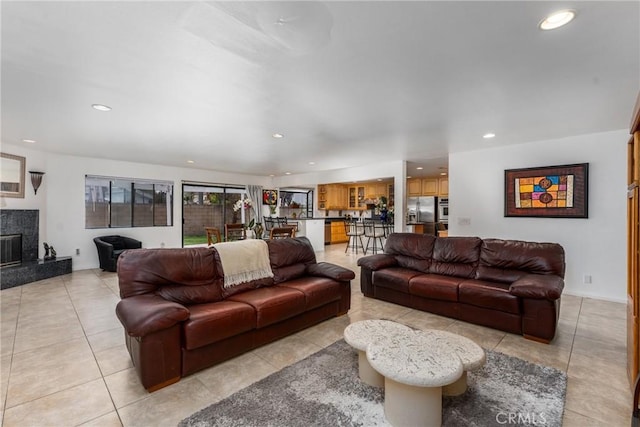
pixel 92 352
pixel 13 345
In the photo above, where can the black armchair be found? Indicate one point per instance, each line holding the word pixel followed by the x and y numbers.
pixel 110 248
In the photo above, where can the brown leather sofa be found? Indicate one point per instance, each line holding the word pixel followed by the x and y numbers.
pixel 510 285
pixel 179 318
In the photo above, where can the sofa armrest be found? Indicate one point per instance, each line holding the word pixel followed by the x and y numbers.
pixel 332 271
pixel 377 262
pixel 143 314
pixel 538 286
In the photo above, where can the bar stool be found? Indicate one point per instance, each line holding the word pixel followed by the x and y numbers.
pixel 355 233
pixel 373 231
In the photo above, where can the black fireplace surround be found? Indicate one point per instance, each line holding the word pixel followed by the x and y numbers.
pixel 28 268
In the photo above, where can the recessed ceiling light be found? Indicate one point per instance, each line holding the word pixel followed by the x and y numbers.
pixel 489 135
pixel 101 107
pixel 272 175
pixel 278 135
pixel 419 168
pixel 379 179
pixel 443 173
pixel 190 161
pixel 312 163
pixel 287 173
pixel 30 141
pixel 557 19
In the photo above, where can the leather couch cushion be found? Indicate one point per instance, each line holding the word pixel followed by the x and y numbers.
pixel 395 278
pixel 411 250
pixel 508 260
pixel 273 304
pixel 456 256
pixel 186 275
pixel 435 286
pixel 488 295
pixel 209 323
pixel 317 290
pixel 289 258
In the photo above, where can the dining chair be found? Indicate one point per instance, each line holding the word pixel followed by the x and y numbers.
pixel 282 232
pixel 234 232
pixel 212 232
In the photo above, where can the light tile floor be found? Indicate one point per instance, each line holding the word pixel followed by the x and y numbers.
pixel 63 360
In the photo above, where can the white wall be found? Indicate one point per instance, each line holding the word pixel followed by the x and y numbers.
pixel 61 200
pixel 595 246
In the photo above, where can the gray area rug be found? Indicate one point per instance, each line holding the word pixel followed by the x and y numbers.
pixel 324 390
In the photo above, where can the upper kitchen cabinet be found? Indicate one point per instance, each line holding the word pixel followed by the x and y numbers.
pixel 332 196
pixel 356 197
pixel 427 187
pixel 375 191
pixel 443 187
pixel 414 187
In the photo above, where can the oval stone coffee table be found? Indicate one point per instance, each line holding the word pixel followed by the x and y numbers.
pixel 415 367
pixel 360 334
pixel 471 355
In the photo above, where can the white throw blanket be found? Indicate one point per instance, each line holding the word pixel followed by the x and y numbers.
pixel 244 261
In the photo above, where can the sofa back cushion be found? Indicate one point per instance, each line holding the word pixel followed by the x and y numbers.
pixel 508 260
pixel 289 258
pixel 411 250
pixel 456 256
pixel 186 276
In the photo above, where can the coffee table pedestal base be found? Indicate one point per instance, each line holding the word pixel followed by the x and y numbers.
pixel 367 374
pixel 406 405
pixel 457 388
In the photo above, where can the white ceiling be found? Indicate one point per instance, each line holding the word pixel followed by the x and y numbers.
pixel 347 83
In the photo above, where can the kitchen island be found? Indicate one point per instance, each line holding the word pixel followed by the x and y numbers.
pixel 312 229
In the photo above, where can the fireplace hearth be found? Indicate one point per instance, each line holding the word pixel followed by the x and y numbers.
pixel 19 234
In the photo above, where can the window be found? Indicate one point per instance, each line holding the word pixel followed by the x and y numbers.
pixel 125 202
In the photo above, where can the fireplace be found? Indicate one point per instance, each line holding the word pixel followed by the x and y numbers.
pixel 10 250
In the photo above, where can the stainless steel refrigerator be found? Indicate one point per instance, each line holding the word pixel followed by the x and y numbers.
pixel 423 210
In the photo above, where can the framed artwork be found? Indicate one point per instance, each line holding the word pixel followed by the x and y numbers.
pixel 269 197
pixel 550 192
pixel 11 176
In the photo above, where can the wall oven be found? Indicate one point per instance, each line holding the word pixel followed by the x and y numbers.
pixel 443 210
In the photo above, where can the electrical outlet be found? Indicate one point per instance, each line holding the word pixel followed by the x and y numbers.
pixel 586 279
pixel 77 251
pixel 162 244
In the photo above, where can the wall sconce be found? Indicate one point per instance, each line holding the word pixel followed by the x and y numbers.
pixel 36 180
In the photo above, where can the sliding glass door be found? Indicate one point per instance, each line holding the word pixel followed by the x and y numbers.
pixel 207 206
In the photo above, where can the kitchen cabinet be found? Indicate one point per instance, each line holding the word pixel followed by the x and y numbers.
pixel 375 191
pixel 357 197
pixel 336 197
pixel 338 232
pixel 443 187
pixel 429 186
pixel 414 187
pixel 332 196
